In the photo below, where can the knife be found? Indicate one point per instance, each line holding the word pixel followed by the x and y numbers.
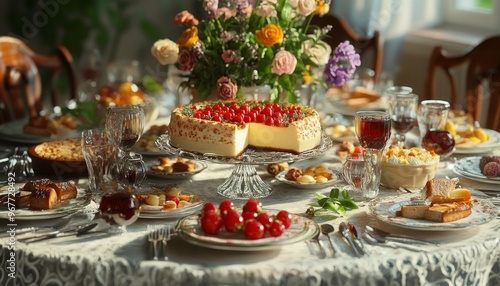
pixel 398 237
pixel 80 229
pixel 347 234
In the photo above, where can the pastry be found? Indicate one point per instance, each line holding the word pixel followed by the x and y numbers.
pixel 43 198
pixel 64 190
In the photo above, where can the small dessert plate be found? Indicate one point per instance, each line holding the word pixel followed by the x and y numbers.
pixel 281 176
pixel 199 166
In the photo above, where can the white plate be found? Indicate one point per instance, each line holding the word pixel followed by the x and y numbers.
pixel 335 179
pixel 158 212
pixel 385 209
pixel 348 137
pixel 301 229
pixel 478 148
pixel 199 166
pixel 13 132
pixel 82 199
pixel 469 167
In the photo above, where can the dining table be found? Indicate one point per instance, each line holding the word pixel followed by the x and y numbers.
pixel 467 255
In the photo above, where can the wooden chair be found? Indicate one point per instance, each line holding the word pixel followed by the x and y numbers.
pixel 483 69
pixel 21 81
pixel 341 31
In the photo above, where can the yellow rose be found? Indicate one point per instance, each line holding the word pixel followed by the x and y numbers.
pixel 321 8
pixel 269 35
pixel 188 38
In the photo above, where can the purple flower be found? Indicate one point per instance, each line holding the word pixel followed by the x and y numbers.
pixel 342 64
pixel 241 7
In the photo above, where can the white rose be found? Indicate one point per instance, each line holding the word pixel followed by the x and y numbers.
pixel 319 53
pixel 266 10
pixel 306 7
pixel 165 51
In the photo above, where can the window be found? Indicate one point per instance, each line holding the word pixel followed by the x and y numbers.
pixel 484 14
pixel 484 6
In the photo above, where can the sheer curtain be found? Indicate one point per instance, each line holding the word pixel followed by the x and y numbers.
pixel 393 18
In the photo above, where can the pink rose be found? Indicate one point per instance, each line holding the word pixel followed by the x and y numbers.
pixel 228 56
pixel 226 36
pixel 187 60
pixel 185 18
pixel 283 63
pixel 226 88
pixel 228 13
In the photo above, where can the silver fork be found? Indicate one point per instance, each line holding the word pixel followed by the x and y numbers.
pixel 154 238
pixel 165 237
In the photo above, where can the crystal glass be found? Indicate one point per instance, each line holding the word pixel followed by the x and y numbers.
pixel 130 171
pixel 403 112
pixel 432 116
pixel 99 153
pixel 119 209
pixel 354 172
pixel 125 124
pixel 373 129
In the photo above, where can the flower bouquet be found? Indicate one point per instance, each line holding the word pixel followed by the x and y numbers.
pixel 271 44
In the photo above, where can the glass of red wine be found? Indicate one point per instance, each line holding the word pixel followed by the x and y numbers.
pixel 432 116
pixel 373 130
pixel 119 209
pixel 403 112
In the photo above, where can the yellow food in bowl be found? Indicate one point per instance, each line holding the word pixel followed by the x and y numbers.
pixel 407 168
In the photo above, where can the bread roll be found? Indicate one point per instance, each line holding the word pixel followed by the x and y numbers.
pixel 22 199
pixel 33 185
pixel 42 199
pixel 64 190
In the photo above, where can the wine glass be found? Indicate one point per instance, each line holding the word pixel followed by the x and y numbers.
pixel 125 124
pixel 373 129
pixel 403 112
pixel 432 116
pixel 119 209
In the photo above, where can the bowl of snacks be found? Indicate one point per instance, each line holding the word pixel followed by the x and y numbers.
pixel 128 93
pixel 407 167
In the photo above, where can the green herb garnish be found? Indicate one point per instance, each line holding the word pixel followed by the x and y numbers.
pixel 335 203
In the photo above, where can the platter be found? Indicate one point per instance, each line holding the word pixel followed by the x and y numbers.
pixel 281 177
pixel 478 148
pixel 199 166
pixel 152 212
pixel 301 229
pixel 82 199
pixel 347 135
pixel 469 168
pixel 13 132
pixel 385 209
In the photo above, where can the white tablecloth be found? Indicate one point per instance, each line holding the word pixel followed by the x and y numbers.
pixel 467 257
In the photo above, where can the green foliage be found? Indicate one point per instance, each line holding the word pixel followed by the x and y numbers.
pixel 334 203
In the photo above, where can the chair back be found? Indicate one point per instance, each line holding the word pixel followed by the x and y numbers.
pixel 341 31
pixel 21 82
pixel 482 64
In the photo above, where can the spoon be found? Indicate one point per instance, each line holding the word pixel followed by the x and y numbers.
pixel 315 239
pixel 326 229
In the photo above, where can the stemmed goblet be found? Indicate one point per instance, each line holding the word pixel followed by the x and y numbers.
pixel 124 124
pixel 403 112
pixel 373 129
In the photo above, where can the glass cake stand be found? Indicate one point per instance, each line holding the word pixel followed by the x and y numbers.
pixel 244 182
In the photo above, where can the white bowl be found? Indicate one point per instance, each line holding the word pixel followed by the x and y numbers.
pixel 407 176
